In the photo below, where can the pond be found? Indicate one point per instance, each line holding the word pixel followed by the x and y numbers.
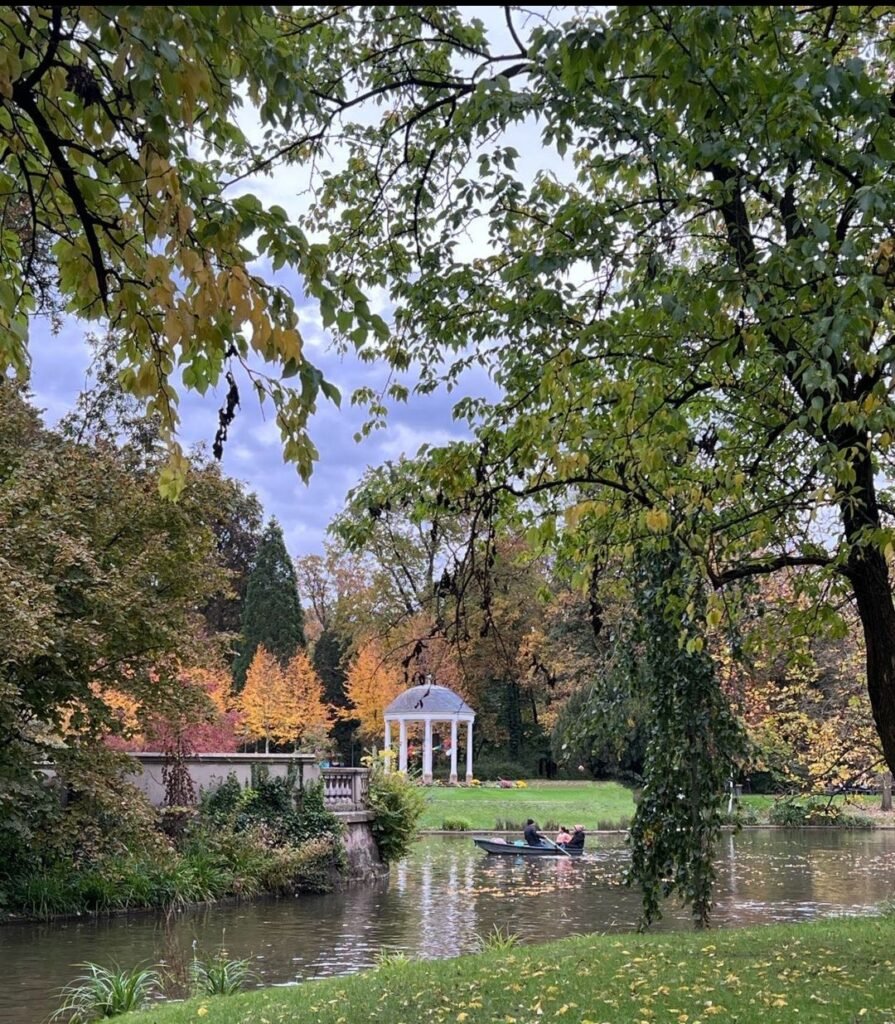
pixel 440 901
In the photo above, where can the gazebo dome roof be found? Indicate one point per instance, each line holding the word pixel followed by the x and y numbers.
pixel 427 700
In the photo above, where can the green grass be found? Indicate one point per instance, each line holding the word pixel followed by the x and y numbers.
pixel 607 804
pixel 593 804
pixel 834 972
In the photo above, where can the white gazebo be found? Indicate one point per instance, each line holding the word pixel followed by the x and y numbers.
pixel 427 704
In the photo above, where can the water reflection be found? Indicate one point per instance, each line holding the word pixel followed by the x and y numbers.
pixel 441 901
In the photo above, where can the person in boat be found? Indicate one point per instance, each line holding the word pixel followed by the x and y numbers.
pixel 563 836
pixel 531 835
pixel 576 840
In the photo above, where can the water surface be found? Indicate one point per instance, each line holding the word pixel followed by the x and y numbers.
pixel 438 903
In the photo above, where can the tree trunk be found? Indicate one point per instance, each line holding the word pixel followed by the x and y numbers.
pixel 886 802
pixel 869 575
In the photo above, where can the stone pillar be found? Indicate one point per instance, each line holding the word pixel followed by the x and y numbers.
pixel 453 750
pixel 427 752
pixel 402 746
pixel 388 741
pixel 468 752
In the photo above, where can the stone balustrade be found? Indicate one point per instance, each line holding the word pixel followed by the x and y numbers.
pixel 345 789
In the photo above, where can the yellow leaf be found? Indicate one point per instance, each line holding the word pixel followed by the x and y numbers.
pixel 657 520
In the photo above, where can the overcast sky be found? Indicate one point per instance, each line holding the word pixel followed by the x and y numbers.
pixel 253 452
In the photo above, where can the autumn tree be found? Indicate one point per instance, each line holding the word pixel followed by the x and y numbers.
pixel 202 721
pixel 266 705
pixel 272 613
pixel 102 581
pixel 312 716
pixel 337 590
pixel 372 684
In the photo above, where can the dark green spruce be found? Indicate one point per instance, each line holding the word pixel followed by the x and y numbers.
pixel 272 614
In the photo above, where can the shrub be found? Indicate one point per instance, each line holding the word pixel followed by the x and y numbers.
pixel 223 801
pixel 398 805
pixel 792 813
pixel 455 825
pixel 306 868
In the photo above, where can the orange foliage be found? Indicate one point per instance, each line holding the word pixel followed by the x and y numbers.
pixel 311 716
pixel 371 685
pixel 265 704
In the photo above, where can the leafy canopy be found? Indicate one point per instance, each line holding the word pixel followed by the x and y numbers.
pixel 128 156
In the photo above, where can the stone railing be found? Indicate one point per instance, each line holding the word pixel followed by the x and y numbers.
pixel 345 789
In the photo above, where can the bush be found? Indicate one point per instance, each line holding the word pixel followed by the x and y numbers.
pixel 455 825
pixel 306 868
pixel 398 805
pixel 223 801
pixel 792 813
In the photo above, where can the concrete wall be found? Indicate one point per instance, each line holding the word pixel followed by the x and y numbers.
pixel 209 770
pixel 364 862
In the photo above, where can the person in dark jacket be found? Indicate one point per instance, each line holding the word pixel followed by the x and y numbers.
pixel 531 834
pixel 577 840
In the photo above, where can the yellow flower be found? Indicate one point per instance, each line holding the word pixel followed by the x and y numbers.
pixel 202 1011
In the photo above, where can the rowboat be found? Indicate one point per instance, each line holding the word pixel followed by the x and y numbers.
pixel 501 848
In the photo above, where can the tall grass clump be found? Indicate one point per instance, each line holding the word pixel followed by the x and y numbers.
pixel 220 976
pixel 103 992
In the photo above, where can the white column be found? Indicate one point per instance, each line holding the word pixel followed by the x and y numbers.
pixel 402 746
pixel 427 752
pixel 453 750
pixel 469 752
pixel 388 739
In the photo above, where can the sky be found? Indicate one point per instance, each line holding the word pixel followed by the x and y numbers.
pixel 253 452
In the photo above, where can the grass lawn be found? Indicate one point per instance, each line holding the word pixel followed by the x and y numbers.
pixel 605 805
pixel 834 972
pixel 592 804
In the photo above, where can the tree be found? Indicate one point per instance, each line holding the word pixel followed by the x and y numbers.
pixel 330 651
pixel 102 580
pixel 272 614
pixel 313 717
pixel 266 704
pixel 337 588
pixel 104 414
pixel 372 684
pixel 689 313
pixel 694 743
pixel 237 535
pixel 202 721
pixel 122 178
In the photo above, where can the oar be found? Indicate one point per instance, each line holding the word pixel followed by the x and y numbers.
pixel 556 847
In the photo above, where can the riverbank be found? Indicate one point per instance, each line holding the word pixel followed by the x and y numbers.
pixel 826 972
pixel 599 806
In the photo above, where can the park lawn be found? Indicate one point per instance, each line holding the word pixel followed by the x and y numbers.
pixel 592 804
pixel 831 972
